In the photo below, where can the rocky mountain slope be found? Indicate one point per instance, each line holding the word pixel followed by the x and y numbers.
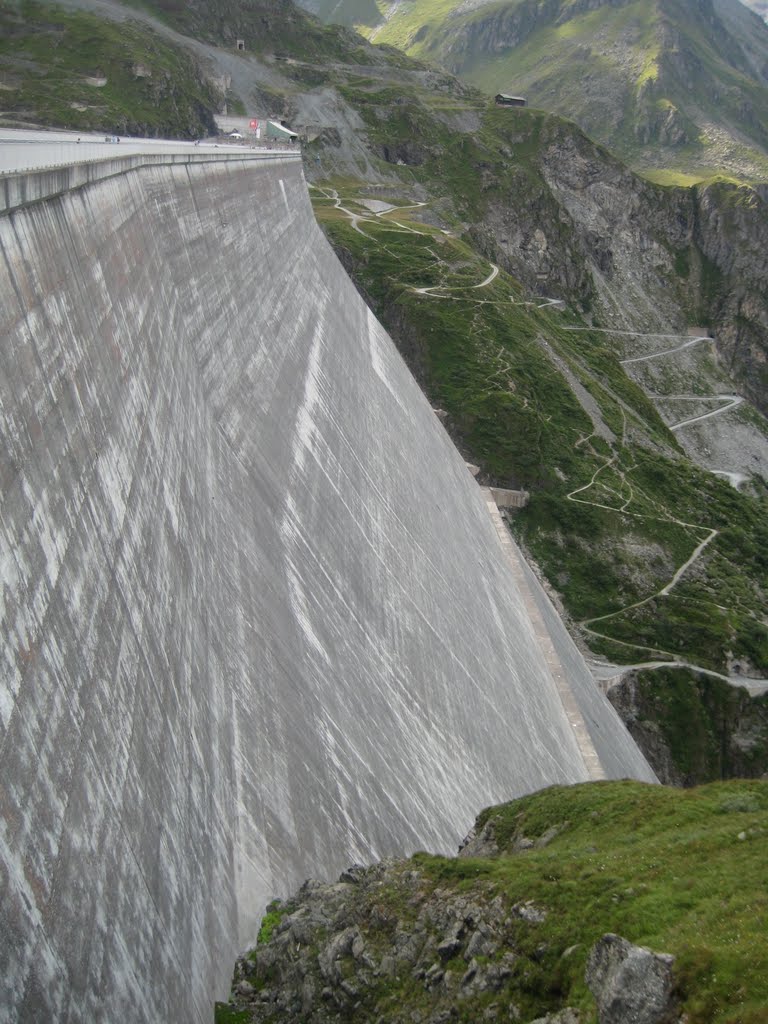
pixel 572 905
pixel 673 84
pixel 694 727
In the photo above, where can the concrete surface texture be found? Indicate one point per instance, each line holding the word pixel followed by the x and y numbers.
pixel 256 620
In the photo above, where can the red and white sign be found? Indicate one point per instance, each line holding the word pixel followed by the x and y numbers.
pixel 254 123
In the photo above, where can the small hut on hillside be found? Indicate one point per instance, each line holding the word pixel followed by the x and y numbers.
pixel 503 100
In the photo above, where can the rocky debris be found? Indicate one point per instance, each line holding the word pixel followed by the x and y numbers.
pixel 482 841
pixel 631 984
pixel 528 911
pixel 347 950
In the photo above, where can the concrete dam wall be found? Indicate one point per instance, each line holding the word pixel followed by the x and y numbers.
pixel 257 623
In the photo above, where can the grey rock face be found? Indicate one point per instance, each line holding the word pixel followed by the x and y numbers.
pixel 479 844
pixel 631 984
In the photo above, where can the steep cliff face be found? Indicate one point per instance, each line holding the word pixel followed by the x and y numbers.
pixel 731 237
pixel 571 221
pixel 694 728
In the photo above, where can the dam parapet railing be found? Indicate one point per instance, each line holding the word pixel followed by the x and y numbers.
pixel 23 187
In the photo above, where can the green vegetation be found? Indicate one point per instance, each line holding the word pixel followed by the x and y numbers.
pixel 270 921
pixel 664 176
pixel 622 862
pixel 225 1014
pixel 712 730
pixel 75 70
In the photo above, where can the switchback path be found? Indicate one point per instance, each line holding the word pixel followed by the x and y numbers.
pixel 731 400
pixel 667 351
pixel 625 496
pixel 435 289
pixel 610 674
pixel 369 218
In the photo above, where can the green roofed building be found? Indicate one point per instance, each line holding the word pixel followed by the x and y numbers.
pixel 275 130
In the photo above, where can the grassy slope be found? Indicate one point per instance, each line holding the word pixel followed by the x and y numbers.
pixel 48 54
pixel 267 26
pixel 361 14
pixel 623 864
pixel 676 871
pixel 478 355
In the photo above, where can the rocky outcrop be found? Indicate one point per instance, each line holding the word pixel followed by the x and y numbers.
pixel 731 235
pixel 586 229
pixel 343 948
pixel 385 944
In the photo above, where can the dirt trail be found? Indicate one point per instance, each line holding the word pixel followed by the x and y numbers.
pixel 625 497
pixel 732 402
pixel 435 289
pixel 369 218
pixel 611 673
pixel 667 351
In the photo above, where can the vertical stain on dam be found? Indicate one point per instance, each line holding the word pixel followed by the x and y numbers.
pixel 257 623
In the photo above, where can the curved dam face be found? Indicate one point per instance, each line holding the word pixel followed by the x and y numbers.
pixel 257 622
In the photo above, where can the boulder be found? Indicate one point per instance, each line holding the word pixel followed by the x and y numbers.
pixel 631 984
